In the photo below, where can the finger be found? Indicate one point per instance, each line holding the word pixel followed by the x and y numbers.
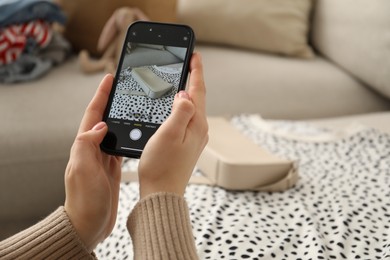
pixel 196 87
pixel 94 112
pixel 182 112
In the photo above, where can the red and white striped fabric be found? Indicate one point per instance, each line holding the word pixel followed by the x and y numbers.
pixel 13 39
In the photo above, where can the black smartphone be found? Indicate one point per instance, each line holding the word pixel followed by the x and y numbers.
pixel 152 68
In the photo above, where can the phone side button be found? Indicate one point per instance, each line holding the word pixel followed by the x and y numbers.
pixel 135 134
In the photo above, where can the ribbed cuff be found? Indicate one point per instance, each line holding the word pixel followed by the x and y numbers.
pixel 52 238
pixel 160 228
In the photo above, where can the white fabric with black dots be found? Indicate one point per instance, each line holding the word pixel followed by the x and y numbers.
pixel 339 208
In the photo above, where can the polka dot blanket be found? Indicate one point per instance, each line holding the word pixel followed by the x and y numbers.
pixel 339 208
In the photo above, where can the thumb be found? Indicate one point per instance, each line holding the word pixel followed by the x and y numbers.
pixel 182 111
pixel 99 131
pixel 95 135
pixel 88 142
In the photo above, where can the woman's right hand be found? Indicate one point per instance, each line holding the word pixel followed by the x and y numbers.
pixel 171 153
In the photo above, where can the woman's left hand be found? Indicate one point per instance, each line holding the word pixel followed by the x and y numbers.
pixel 92 177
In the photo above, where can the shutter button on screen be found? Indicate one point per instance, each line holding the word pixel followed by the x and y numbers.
pixel 135 134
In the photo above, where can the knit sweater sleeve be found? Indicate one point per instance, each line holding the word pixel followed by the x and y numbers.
pixel 52 238
pixel 160 228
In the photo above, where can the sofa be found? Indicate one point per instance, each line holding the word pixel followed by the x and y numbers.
pixel 343 73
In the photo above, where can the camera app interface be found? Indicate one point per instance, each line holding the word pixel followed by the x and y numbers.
pixel 149 78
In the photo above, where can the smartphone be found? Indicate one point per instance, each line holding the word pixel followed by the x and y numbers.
pixel 153 67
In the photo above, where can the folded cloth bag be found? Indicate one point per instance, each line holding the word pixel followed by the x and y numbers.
pixel 233 162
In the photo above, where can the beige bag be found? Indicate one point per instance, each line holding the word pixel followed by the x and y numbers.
pixel 151 84
pixel 232 161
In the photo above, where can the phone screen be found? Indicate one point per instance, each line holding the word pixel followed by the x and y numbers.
pixel 152 69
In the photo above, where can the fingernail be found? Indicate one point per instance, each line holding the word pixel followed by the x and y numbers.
pixel 183 94
pixel 99 126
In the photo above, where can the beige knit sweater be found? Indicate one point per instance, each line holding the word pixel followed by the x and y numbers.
pixel 159 227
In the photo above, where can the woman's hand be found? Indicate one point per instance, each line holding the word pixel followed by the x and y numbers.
pixel 92 177
pixel 171 153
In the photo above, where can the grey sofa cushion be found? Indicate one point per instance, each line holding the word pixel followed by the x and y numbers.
pixel 276 26
pixel 276 87
pixel 356 35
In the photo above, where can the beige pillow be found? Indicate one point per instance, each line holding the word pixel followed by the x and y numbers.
pixel 355 34
pixel 277 26
pixel 86 18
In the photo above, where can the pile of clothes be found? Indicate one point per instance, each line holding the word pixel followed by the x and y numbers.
pixel 29 44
